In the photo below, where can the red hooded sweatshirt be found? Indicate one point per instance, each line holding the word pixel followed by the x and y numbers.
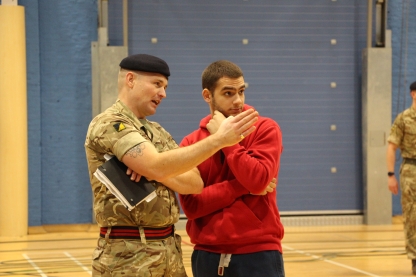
pixel 225 217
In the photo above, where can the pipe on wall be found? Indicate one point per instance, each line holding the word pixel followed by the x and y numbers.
pixel 369 23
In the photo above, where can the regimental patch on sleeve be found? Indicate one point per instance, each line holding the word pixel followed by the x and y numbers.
pixel 119 126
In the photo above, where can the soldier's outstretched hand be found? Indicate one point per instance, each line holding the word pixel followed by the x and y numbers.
pixel 233 129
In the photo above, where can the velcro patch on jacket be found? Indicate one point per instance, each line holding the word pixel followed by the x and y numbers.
pixel 119 126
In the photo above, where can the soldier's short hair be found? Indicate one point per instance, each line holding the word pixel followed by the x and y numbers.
pixel 413 86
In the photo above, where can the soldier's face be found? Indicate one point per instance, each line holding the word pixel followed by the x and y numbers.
pixel 413 94
pixel 148 92
pixel 228 96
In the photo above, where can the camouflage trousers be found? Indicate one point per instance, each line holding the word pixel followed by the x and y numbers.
pixel 408 199
pixel 127 257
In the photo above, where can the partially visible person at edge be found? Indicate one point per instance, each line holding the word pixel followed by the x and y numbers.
pixel 403 136
pixel 235 222
pixel 142 242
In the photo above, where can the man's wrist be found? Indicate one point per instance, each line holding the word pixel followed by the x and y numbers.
pixel 215 141
pixel 390 173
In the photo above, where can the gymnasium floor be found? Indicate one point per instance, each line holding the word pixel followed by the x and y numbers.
pixel 324 251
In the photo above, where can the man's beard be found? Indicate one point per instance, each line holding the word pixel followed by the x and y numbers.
pixel 215 107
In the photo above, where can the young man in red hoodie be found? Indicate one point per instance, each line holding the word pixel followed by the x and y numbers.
pixel 235 223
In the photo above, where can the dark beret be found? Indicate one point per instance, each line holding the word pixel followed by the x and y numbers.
pixel 413 86
pixel 146 63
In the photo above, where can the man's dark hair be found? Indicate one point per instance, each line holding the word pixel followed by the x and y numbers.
pixel 412 86
pixel 216 71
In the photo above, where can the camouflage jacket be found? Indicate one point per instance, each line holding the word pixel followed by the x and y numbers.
pixel 114 132
pixel 403 133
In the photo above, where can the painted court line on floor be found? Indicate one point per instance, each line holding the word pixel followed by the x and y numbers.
pixel 34 266
pixel 329 261
pixel 78 263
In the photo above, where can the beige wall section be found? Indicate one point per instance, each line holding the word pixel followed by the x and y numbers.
pixel 13 123
pixel 376 123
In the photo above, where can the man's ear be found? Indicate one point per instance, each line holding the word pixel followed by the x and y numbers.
pixel 130 79
pixel 206 94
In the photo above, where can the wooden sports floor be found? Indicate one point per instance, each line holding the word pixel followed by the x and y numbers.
pixel 324 251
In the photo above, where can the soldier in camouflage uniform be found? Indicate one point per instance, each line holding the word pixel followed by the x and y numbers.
pixel 142 242
pixel 403 136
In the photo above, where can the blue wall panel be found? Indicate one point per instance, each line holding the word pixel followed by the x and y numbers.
pixel 34 110
pixel 289 64
pixel 59 35
pixel 66 107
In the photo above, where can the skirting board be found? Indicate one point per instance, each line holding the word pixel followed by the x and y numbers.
pixel 322 220
pixel 306 220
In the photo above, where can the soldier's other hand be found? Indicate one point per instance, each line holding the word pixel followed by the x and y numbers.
pixel 393 185
pixel 215 122
pixel 133 175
